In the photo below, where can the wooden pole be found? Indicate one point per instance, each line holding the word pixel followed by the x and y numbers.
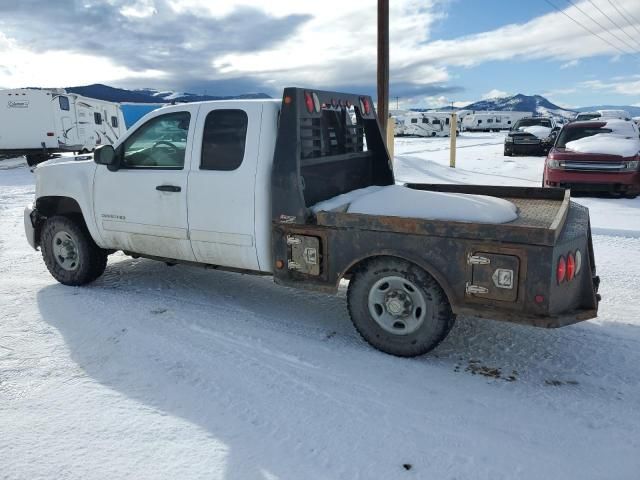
pixel 452 139
pixel 383 64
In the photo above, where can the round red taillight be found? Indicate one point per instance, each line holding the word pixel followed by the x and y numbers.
pixel 571 266
pixel 561 271
pixel 308 100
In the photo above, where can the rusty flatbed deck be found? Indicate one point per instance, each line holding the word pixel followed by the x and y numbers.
pixel 541 216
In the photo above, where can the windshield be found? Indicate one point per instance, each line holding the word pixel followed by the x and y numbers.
pixel 530 122
pixel 576 133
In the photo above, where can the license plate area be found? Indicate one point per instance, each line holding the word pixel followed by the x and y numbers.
pixel 493 276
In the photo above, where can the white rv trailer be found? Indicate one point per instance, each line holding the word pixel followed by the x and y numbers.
pixel 424 125
pixel 491 121
pixel 40 122
pixel 399 128
pixel 445 119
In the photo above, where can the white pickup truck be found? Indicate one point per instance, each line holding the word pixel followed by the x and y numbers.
pixel 232 185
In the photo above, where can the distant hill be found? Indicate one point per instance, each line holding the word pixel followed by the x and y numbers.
pixel 149 95
pixel 522 103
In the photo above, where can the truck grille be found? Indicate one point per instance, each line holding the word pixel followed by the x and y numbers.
pixel 593 166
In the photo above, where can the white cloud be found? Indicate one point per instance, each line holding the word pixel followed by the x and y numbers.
pixel 622 86
pixel 570 64
pixel 139 9
pixel 336 47
pixel 495 93
pixel 22 67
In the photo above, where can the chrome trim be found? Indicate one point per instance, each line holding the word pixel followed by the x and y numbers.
pixel 592 166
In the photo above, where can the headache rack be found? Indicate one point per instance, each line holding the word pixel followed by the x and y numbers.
pixel 328 143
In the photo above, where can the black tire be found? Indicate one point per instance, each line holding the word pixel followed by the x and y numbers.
pixel 90 260
pixel 437 321
pixel 631 195
pixel 508 152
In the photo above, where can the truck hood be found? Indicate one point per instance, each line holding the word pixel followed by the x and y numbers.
pixel 66 159
pixel 536 130
pixel 569 155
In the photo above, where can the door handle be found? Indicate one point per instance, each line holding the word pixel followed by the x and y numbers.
pixel 168 188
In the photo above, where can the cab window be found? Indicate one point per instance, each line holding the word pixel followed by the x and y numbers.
pixel 223 140
pixel 159 143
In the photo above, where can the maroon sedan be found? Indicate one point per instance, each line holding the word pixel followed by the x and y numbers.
pixel 595 156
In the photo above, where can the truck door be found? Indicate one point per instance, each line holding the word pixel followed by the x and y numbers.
pixel 142 207
pixel 222 185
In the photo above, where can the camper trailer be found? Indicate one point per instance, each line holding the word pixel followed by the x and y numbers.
pixel 40 122
pixel 424 125
pixel 445 119
pixel 491 121
pixel 400 127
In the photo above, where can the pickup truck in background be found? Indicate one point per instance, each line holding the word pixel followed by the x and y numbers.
pixel 231 185
pixel 531 136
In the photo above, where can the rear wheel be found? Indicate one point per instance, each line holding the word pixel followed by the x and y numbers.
pixel 398 307
pixel 71 255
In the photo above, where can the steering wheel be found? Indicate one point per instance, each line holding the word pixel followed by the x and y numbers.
pixel 173 148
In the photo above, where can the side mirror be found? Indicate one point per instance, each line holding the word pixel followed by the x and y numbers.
pixel 106 155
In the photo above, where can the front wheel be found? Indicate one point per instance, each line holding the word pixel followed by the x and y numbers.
pixel 398 307
pixel 69 252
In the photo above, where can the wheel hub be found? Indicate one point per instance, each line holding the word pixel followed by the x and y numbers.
pixel 65 250
pixel 397 305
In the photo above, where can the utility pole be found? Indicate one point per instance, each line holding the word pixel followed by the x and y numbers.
pixel 383 64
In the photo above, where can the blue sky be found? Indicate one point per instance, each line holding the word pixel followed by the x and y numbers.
pixel 561 80
pixel 442 51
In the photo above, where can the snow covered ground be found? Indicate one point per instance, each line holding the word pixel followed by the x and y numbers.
pixel 157 372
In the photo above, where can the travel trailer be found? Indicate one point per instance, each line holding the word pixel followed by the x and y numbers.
pixel 424 125
pixel 445 119
pixel 40 122
pixel 491 121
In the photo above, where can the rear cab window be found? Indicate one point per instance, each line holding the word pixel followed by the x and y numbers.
pixel 223 139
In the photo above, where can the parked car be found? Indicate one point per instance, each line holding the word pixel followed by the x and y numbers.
pixel 531 136
pixel 596 156
pixel 247 192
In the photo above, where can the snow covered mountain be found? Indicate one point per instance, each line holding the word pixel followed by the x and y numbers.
pixel 522 103
pixel 150 95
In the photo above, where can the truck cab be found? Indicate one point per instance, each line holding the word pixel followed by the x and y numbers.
pixel 265 187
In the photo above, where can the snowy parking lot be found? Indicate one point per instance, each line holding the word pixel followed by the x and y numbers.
pixel 157 372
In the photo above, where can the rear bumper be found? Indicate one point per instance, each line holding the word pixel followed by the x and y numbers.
pixel 29 229
pixel 593 181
